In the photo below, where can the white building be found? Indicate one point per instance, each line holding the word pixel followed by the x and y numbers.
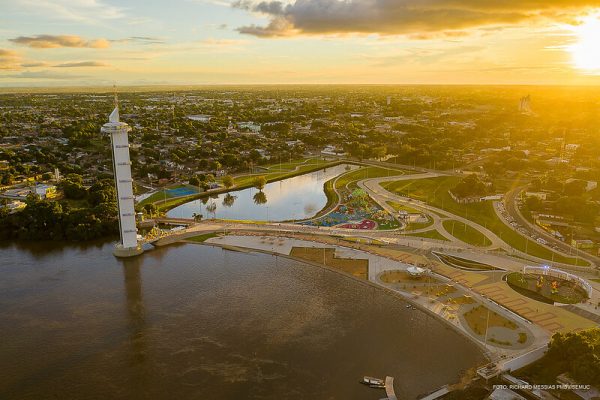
pixel 118 131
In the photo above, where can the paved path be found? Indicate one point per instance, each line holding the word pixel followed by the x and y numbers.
pixel 374 188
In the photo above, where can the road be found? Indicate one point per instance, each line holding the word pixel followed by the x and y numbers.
pixel 510 205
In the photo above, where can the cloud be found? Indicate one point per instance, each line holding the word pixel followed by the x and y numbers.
pixel 407 17
pixel 222 42
pixel 90 11
pixel 35 64
pixel 44 75
pixel 56 41
pixel 140 39
pixel 81 64
pixel 9 60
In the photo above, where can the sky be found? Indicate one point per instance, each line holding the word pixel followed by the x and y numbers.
pixel 199 42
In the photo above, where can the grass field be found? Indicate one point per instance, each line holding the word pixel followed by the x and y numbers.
pixel 481 318
pixel 162 194
pixel 432 234
pixel 466 233
pixel 434 191
pixel 274 174
pixel 365 173
pixel 202 238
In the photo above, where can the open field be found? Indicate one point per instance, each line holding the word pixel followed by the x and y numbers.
pixel 434 191
pixel 356 267
pixel 203 238
pixel 432 234
pixel 482 318
pixel 466 233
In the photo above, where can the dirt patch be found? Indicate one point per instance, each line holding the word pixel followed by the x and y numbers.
pixel 477 318
pixel 326 256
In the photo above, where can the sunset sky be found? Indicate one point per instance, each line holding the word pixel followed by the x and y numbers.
pixel 142 42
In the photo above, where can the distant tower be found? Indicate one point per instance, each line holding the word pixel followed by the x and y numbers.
pixel 128 246
pixel 525 104
pixel 389 100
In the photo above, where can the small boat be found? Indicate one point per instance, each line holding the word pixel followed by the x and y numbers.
pixel 371 382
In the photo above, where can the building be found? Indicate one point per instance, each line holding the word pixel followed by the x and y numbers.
pixel 118 131
pixel 582 243
pixel 45 191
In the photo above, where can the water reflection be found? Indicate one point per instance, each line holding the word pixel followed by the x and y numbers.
pixel 294 198
pixel 229 200
pixel 260 198
pixel 135 309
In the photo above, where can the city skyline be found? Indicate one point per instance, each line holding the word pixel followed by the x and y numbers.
pixel 195 42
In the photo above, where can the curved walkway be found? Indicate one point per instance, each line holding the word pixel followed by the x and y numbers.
pixel 374 188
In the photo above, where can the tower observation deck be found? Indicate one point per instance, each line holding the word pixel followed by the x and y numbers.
pixel 118 131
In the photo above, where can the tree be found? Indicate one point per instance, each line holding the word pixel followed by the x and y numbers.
pixel 150 209
pixel 260 182
pixel 197 217
pixel 194 181
pixel 72 187
pixel 575 188
pixel 470 186
pixel 228 181
pixel 533 203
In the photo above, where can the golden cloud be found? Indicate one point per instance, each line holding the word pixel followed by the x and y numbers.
pixel 9 60
pixel 406 17
pixel 57 41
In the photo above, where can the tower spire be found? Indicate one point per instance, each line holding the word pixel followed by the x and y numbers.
pixel 114 116
pixel 116 97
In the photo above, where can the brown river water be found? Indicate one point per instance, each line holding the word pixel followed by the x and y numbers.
pixel 198 322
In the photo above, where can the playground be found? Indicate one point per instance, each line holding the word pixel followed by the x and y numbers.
pixel 547 289
pixel 357 211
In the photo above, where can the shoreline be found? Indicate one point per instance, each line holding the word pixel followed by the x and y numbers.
pixel 389 291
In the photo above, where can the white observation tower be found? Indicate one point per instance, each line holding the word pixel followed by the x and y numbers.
pixel 128 245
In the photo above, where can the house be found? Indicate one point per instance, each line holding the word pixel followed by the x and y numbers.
pixel 582 243
pixel 45 191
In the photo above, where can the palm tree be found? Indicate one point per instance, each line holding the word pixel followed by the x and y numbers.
pixel 197 217
pixel 212 208
pixel 260 182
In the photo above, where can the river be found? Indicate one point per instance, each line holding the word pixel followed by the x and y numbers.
pixel 198 322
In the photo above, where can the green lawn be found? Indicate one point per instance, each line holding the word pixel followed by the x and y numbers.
pixel 203 238
pixel 401 207
pixel 432 234
pixel 275 174
pixel 466 233
pixel 161 195
pixel 434 191
pixel 366 172
pixel 290 166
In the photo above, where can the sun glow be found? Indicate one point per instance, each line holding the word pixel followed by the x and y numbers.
pixel 586 51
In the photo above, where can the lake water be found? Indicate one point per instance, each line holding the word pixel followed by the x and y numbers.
pixel 199 322
pixel 295 198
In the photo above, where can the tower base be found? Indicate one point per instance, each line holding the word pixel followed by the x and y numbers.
pixel 124 252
